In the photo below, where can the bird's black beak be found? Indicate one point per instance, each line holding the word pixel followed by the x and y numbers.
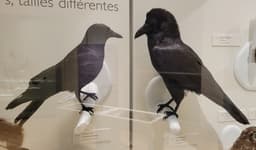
pixel 143 30
pixel 116 35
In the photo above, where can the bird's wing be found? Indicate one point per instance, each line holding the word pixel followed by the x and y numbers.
pixel 192 52
pixel 89 64
pixel 176 60
pixel 181 65
pixel 67 73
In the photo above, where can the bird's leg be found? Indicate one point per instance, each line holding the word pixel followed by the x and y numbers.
pixel 84 108
pixel 91 95
pixel 170 113
pixel 162 106
pixel 88 109
pixel 174 112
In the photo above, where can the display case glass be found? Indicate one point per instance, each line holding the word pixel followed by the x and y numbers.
pixel 94 75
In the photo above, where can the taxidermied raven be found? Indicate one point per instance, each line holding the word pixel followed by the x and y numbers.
pixel 179 66
pixel 77 69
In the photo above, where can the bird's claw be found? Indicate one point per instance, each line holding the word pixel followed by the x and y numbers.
pixel 162 106
pixel 170 113
pixel 91 95
pixel 88 109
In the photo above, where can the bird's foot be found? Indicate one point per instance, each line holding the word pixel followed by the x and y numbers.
pixel 88 109
pixel 91 95
pixel 162 106
pixel 170 113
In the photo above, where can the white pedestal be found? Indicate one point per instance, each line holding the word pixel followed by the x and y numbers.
pixel 155 94
pixel 229 135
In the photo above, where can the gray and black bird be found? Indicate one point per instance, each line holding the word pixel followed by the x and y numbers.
pixel 179 66
pixel 247 140
pixel 76 70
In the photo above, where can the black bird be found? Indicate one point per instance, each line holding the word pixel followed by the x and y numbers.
pixel 179 66
pixel 77 69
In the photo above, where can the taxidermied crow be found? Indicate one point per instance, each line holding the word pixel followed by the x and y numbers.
pixel 179 66
pixel 247 140
pixel 77 69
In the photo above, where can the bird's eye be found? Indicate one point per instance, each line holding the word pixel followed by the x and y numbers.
pixel 44 78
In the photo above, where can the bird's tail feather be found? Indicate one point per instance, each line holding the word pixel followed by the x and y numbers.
pixel 17 101
pixel 234 111
pixel 211 89
pixel 28 112
pixel 225 102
